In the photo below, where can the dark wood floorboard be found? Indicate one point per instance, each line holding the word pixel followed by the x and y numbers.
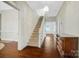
pixel 47 51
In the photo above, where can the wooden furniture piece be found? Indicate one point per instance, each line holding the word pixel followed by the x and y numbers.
pixel 67 46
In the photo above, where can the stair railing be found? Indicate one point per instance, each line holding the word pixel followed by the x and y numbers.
pixel 41 32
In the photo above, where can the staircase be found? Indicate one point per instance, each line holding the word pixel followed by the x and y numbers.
pixel 35 35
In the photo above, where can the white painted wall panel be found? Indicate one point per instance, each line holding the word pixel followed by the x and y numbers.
pixel 68 18
pixel 27 20
pixel 9 25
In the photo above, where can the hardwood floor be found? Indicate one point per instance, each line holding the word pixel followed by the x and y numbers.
pixel 47 51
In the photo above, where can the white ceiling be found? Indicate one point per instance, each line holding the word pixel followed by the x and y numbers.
pixel 4 6
pixel 54 6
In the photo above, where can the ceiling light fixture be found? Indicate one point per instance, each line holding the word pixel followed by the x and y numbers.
pixel 46 9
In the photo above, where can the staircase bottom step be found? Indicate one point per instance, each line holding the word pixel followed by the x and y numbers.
pixel 31 44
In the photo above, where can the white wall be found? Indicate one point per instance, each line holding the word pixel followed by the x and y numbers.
pixel 0 25
pixel 9 25
pixel 41 12
pixel 27 21
pixel 68 18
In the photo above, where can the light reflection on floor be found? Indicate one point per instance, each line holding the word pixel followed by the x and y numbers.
pixel 50 42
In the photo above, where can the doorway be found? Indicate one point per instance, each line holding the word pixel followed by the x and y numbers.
pixel 50 27
pixel 8 24
pixel 50 32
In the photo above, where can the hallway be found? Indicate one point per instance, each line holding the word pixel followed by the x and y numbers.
pixel 49 46
pixel 24 25
pixel 48 50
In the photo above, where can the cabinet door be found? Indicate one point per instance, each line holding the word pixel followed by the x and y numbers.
pixel 70 46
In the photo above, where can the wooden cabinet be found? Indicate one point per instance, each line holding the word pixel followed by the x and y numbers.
pixel 67 46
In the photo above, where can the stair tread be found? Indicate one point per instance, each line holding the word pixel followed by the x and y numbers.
pixel 35 35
